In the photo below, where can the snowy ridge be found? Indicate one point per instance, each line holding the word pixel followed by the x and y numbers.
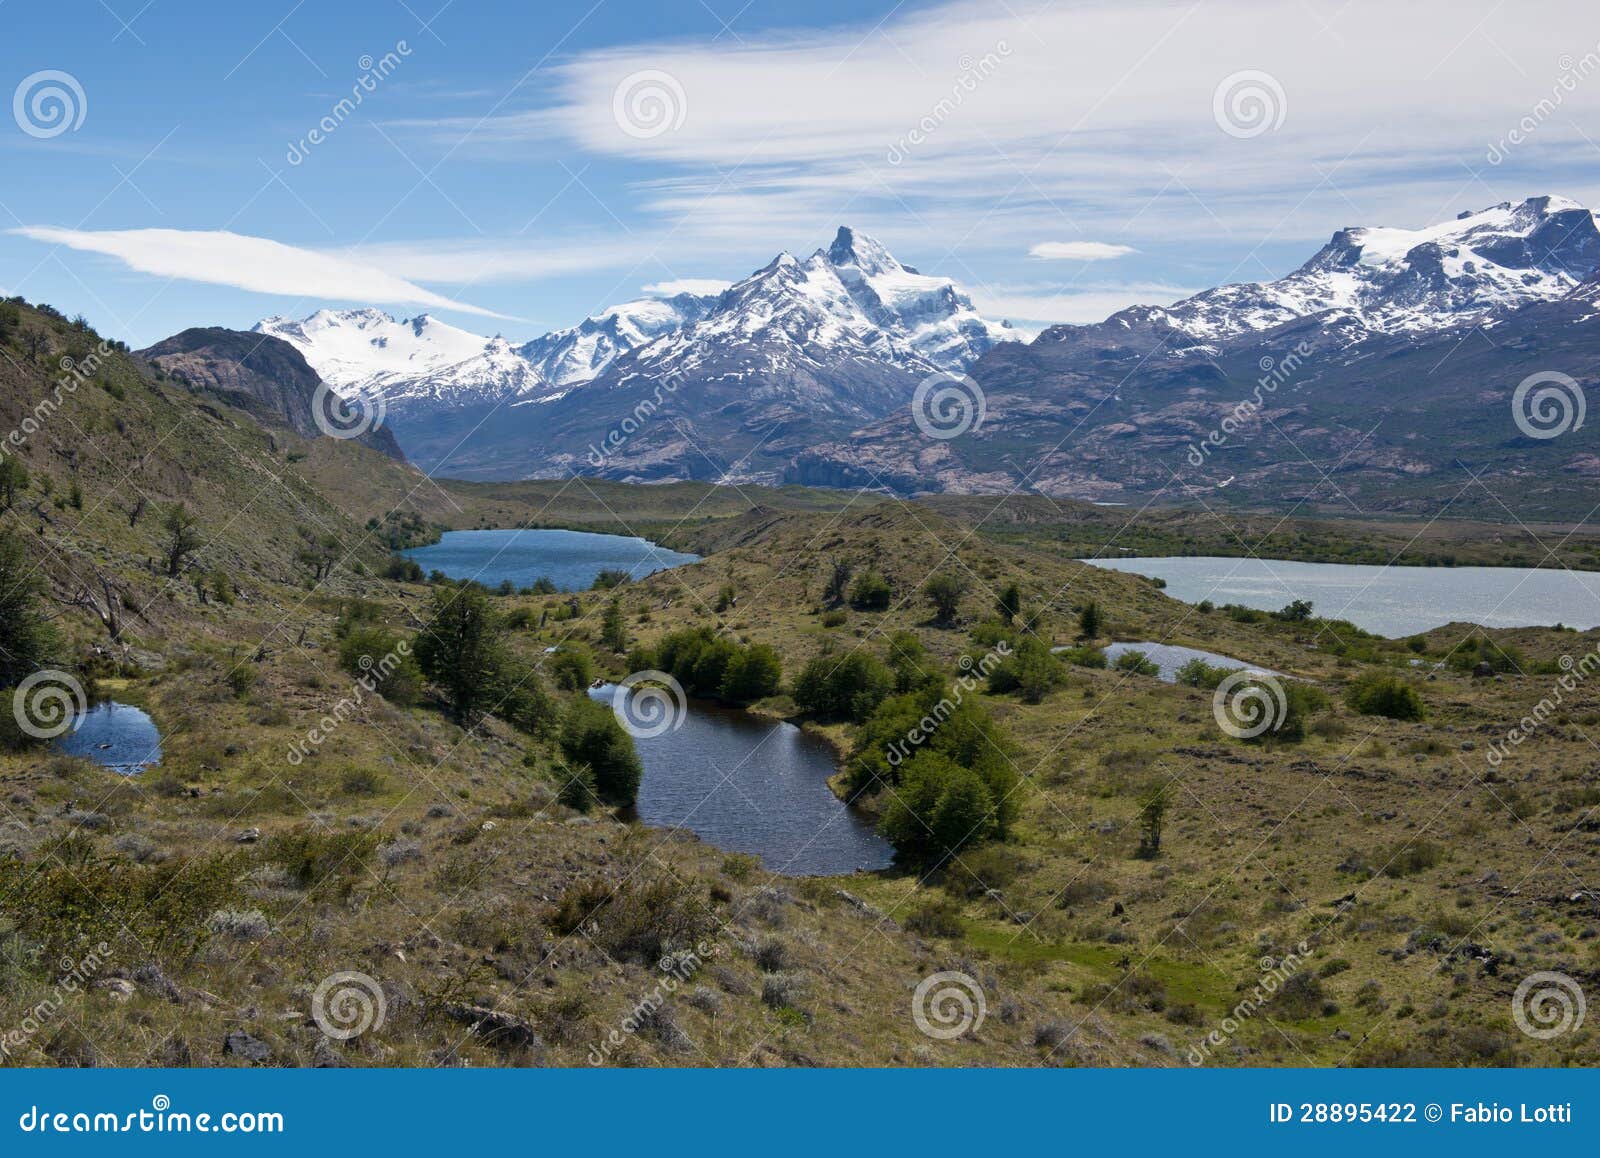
pixel 850 301
pixel 1475 269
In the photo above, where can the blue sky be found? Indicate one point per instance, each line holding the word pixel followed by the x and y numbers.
pixel 1058 160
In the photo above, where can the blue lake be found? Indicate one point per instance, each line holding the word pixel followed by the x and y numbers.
pixel 117 736
pixel 752 785
pixel 569 559
pixel 1391 601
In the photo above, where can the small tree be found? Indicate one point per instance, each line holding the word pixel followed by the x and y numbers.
pixel 838 583
pixel 1009 603
pixel 1152 818
pixel 944 592
pixel 753 674
pixel 13 479
pixel 182 532
pixel 25 637
pixel 870 592
pixel 461 650
pixel 1091 621
pixel 592 737
pixel 613 629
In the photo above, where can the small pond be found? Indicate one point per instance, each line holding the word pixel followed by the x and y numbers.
pixel 752 785
pixel 117 736
pixel 1170 657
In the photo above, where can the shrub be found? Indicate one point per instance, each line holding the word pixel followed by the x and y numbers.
pixel 461 650
pixel 312 858
pixel 936 917
pixel 592 736
pixel 638 920
pixel 1030 670
pixel 851 686
pixel 943 592
pixel 1083 657
pixel 1197 673
pixel 755 673
pixel 870 592
pixel 375 652
pixel 572 668
pixel 1138 663
pixel 1377 693
pixel 938 808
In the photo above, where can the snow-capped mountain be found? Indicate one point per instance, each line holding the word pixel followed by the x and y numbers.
pixel 850 301
pixel 1473 270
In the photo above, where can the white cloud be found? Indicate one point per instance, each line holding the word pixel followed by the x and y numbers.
pixel 249 263
pixel 1029 117
pixel 1052 305
pixel 1079 251
pixel 686 285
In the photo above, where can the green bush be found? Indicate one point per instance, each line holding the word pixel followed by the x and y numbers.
pixel 1197 673
pixel 1138 663
pixel 1030 670
pixel 870 592
pixel 938 808
pixel 1377 693
pixel 374 653
pixel 572 667
pixel 1083 657
pixel 592 736
pixel 851 686
pixel 754 673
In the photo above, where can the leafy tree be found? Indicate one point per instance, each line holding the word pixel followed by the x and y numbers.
pixel 572 667
pixel 1296 612
pixel 370 650
pixel 938 809
pixel 461 650
pixel 870 592
pixel 851 686
pixel 613 629
pixel 182 531
pixel 1030 670
pixel 591 736
pixel 1009 602
pixel 909 662
pixel 522 699
pixel 1091 621
pixel 944 592
pixel 838 582
pixel 26 639
pixel 611 577
pixel 753 674
pixel 726 598
pixel 13 479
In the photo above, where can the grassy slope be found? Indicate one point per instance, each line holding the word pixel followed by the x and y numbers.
pixel 456 909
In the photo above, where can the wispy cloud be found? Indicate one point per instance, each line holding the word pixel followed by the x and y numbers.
pixel 1079 251
pixel 686 285
pixel 257 264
